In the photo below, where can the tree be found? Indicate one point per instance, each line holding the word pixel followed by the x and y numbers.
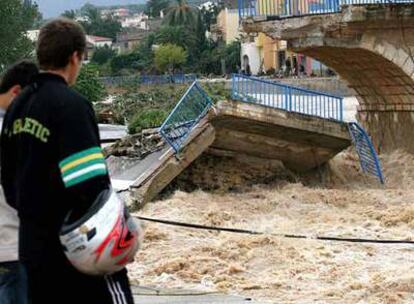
pixel 154 7
pixel 88 83
pixel 145 52
pixel 210 14
pixel 233 55
pixel 15 20
pixel 210 60
pixel 141 58
pixel 178 35
pixel 169 57
pixel 70 14
pixel 124 61
pixel 102 55
pixel 181 14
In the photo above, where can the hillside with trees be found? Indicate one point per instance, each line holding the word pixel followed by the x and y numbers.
pixel 15 19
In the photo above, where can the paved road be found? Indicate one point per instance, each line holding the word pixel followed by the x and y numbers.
pixel 125 173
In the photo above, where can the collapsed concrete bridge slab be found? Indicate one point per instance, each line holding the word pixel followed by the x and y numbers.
pixel 301 142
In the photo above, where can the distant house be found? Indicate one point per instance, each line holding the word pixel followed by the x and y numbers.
pixel 263 54
pixel 121 12
pixel 127 41
pixel 94 42
pixel 118 13
pixel 98 41
pixel 154 24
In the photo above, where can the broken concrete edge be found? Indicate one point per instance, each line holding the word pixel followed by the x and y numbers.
pixel 172 165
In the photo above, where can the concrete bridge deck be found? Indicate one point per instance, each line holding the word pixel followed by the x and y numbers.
pixel 300 141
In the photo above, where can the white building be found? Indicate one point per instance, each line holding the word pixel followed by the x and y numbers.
pixel 93 43
pixel 33 35
pixel 82 19
pixel 98 42
pixel 250 55
pixel 136 21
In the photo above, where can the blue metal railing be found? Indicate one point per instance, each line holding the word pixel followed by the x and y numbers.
pixel 119 80
pixel 368 157
pixel 184 117
pixel 286 97
pixel 165 79
pixel 148 79
pixel 289 8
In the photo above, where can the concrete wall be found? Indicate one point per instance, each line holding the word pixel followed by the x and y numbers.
pixel 270 48
pixel 228 22
pixel 333 86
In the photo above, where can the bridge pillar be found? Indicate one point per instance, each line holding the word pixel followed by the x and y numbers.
pixel 390 127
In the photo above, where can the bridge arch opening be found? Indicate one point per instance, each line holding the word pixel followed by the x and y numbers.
pixel 385 93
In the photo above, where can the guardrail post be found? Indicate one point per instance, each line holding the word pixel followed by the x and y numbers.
pixel 341 109
pixel 233 85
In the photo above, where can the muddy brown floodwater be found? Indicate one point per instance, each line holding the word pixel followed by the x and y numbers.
pixel 276 270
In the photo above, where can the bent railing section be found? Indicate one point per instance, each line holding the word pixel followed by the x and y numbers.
pixel 293 99
pixel 368 157
pixel 184 117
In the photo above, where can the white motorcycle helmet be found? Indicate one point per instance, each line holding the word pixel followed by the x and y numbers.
pixel 104 239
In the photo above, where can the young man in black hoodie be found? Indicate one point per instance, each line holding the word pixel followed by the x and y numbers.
pixel 52 163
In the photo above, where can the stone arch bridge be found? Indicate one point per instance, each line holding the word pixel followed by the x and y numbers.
pixel 371 46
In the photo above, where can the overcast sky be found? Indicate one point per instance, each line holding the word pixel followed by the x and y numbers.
pixel 53 8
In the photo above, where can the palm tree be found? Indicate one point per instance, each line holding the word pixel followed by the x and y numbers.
pixel 178 35
pixel 181 14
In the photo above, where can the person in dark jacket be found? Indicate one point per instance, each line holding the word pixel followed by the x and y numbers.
pixel 52 163
pixel 13 287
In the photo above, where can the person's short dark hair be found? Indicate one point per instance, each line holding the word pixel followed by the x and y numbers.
pixel 58 40
pixel 20 73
